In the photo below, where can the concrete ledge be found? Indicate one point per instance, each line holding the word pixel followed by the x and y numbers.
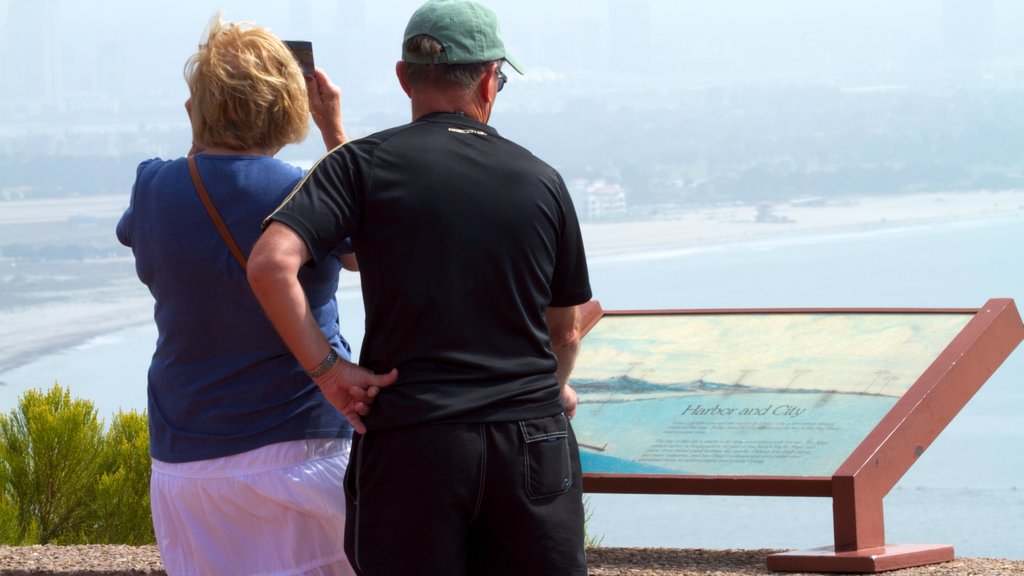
pixel 145 561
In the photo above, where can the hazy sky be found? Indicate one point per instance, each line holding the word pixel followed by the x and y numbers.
pixel 122 60
pixel 677 39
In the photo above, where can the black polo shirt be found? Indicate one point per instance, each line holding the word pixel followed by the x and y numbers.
pixel 464 239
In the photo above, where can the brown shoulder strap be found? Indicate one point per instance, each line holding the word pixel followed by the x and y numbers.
pixel 214 215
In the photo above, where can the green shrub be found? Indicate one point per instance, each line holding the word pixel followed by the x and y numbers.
pixel 49 450
pixel 589 540
pixel 63 481
pixel 122 499
pixel 8 520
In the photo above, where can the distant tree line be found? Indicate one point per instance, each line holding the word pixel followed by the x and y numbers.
pixel 759 143
pixel 54 252
pixel 59 176
pixel 679 145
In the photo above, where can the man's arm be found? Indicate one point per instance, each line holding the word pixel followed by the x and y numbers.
pixel 564 327
pixel 273 275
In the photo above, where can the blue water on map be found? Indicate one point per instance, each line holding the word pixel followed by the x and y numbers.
pixel 778 436
pixel 966 490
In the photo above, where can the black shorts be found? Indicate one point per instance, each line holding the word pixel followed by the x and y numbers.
pixel 466 500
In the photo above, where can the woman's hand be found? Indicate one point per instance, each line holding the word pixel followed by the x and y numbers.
pixel 352 389
pixel 325 106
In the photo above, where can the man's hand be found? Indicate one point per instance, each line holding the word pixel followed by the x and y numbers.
pixel 569 401
pixel 325 106
pixel 564 327
pixel 351 389
pixel 273 269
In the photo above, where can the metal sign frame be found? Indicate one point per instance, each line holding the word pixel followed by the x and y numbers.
pixel 870 471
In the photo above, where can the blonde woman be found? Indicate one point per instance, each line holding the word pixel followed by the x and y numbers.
pixel 248 455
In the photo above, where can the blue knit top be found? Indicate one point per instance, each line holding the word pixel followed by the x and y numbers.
pixel 221 380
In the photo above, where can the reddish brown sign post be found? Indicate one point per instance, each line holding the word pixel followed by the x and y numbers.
pixel 835 403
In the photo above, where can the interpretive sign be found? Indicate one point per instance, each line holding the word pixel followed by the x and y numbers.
pixel 745 394
pixel 832 403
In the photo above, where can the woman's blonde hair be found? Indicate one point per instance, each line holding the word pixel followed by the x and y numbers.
pixel 247 89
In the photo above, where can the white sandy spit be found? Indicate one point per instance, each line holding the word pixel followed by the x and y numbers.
pixel 26 333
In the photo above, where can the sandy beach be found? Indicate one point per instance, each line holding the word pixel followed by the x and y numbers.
pixel 709 226
pixel 72 317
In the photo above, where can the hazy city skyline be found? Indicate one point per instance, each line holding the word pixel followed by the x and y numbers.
pixel 114 55
pixel 638 102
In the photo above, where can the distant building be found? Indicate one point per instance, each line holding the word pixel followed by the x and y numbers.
pixel 598 199
pixel 300 17
pixel 629 36
pixel 85 103
pixel 967 31
pixel 31 69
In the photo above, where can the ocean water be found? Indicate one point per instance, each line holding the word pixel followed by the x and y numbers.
pixel 966 490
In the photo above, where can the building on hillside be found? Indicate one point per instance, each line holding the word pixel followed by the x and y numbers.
pixel 598 199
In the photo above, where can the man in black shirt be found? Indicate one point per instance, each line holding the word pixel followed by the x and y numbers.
pixel 472 269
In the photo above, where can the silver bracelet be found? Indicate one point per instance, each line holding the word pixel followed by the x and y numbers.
pixel 324 366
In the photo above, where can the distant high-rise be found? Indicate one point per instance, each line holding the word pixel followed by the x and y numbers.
pixel 967 31
pixel 300 15
pixel 352 16
pixel 629 35
pixel 348 34
pixel 32 57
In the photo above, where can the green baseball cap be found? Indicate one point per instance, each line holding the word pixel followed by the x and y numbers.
pixel 468 32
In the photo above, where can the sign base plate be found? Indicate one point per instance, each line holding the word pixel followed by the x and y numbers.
pixel 866 561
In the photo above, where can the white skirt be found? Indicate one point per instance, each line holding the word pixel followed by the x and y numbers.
pixel 277 510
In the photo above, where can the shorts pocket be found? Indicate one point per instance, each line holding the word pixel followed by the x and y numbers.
pixel 548 459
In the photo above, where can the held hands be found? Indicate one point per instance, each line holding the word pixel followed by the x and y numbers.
pixel 351 389
pixel 325 107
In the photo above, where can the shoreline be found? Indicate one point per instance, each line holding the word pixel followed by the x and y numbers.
pixel 703 228
pixel 30 332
